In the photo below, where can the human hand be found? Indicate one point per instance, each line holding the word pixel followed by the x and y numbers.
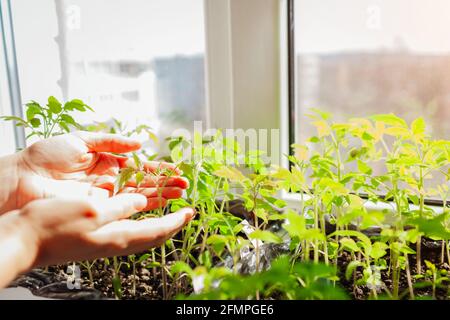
pixel 53 231
pixel 81 164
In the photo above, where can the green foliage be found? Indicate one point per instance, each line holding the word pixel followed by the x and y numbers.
pixel 337 173
pixel 302 281
pixel 51 119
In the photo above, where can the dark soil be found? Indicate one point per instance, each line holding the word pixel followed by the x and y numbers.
pixel 431 251
pixel 52 282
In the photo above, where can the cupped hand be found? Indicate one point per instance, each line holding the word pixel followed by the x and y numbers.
pixel 88 228
pixel 87 164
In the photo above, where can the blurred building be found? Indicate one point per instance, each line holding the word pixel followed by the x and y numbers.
pixel 363 83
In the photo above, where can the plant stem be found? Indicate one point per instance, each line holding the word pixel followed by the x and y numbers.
pixel 434 285
pixel 395 276
pixel 257 253
pixel 154 260
pixel 325 244
pixel 447 243
pixel 116 267
pixel 316 226
pixel 419 255
pixel 133 289
pixel 163 271
pixel 408 277
pixel 89 271
pixel 442 251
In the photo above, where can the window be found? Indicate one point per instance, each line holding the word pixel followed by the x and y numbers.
pixel 8 143
pixel 357 58
pixel 362 57
pixel 140 63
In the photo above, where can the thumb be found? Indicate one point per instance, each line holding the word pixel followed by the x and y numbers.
pixel 107 142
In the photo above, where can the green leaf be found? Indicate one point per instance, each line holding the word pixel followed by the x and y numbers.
pixel 364 168
pixel 397 132
pixel 367 137
pixel 125 175
pixel 143 258
pixel 181 267
pixel 33 109
pixel 137 161
pixel 323 114
pixel 351 233
pixel 153 264
pixel 434 227
pixel 218 242
pixel 35 123
pixel 261 214
pixel 351 267
pixel 68 119
pixel 265 236
pixel 390 119
pixel 323 129
pixel 378 250
pixel 64 127
pixel 16 119
pixel 230 173
pixel 117 286
pixel 418 126
pixel 139 178
pixel 77 104
pixel 349 244
pixel 54 105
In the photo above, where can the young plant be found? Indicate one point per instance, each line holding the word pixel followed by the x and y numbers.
pixel 434 278
pixel 52 119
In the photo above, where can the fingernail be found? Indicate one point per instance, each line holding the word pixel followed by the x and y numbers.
pixel 191 214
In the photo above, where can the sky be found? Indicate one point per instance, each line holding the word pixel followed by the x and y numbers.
pixel 330 26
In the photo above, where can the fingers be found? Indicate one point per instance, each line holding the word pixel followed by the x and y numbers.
pixel 99 211
pixel 105 142
pixel 156 167
pixel 163 227
pixel 165 192
pixel 155 203
pixel 127 236
pixel 156 197
pixel 119 207
pixel 160 181
pixel 169 169
pixel 64 188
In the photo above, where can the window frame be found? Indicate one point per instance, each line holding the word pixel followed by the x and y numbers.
pixel 13 82
pixel 291 105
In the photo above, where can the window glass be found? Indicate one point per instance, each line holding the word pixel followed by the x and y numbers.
pixel 139 61
pixel 356 58
pixel 362 57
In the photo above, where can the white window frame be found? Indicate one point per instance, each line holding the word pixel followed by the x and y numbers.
pixel 242 63
pixel 14 106
pixel 294 199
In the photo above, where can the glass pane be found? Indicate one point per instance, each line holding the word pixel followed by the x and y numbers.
pixel 356 58
pixel 362 57
pixel 140 61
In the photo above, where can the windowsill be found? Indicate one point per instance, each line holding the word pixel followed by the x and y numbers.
pixel 293 200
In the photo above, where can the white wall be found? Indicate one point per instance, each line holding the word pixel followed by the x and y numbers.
pixel 243 63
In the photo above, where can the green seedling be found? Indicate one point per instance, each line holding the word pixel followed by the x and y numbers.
pixel 52 119
pixel 433 277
